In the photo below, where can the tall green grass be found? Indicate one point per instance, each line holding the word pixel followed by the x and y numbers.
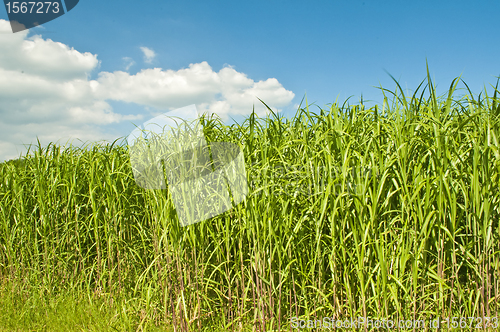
pixel 388 212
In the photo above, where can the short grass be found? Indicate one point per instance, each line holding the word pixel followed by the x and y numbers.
pixel 388 212
pixel 33 309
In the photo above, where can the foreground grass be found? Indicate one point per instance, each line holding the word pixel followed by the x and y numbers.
pixel 36 310
pixel 388 212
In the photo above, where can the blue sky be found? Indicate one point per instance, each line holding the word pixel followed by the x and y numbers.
pixel 92 73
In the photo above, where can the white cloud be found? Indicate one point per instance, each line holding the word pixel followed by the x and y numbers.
pixel 44 58
pixel 226 92
pixel 46 93
pixel 128 63
pixel 149 54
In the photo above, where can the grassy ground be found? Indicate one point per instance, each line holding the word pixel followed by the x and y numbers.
pixel 389 212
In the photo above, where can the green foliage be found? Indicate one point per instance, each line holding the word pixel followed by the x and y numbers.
pixel 388 212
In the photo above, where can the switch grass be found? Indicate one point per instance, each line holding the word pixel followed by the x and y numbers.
pixel 388 212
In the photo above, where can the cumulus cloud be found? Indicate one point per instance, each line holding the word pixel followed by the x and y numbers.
pixel 46 92
pixel 149 54
pixel 226 92
pixel 43 57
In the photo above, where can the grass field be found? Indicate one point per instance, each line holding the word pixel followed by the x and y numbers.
pixel 390 212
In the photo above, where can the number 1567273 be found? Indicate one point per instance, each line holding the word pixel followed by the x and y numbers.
pixel 32 7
